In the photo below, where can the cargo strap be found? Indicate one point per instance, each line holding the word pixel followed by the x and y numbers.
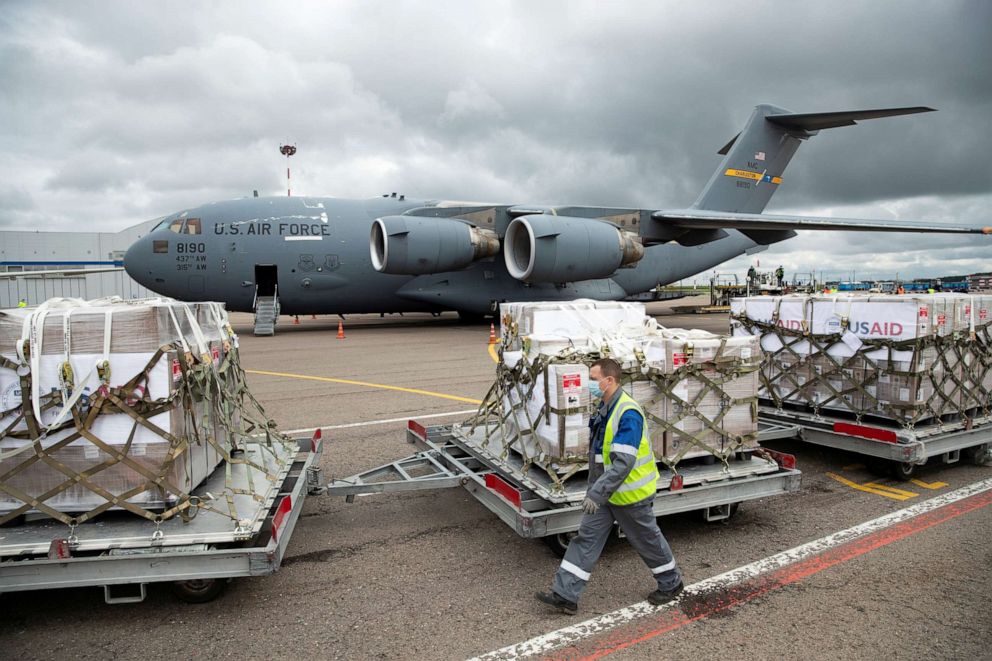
pixel 218 392
pixel 959 376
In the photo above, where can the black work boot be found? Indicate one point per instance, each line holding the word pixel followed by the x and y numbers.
pixel 555 600
pixel 659 596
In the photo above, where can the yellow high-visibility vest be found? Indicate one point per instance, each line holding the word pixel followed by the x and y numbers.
pixel 642 482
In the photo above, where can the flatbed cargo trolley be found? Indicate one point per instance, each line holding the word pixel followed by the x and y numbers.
pixel 890 448
pixel 123 554
pixel 535 507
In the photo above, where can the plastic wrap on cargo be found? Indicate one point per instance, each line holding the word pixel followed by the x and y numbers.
pixel 698 390
pixel 905 358
pixel 115 404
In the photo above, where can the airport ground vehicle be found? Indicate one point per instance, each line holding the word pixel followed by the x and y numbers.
pixel 123 554
pixel 893 449
pixel 530 503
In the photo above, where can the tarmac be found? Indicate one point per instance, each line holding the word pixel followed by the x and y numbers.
pixel 435 575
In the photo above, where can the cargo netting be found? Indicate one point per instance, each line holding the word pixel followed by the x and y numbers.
pixel 698 390
pixel 910 359
pixel 128 405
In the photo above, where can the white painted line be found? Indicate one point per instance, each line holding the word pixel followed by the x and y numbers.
pixel 309 430
pixel 597 625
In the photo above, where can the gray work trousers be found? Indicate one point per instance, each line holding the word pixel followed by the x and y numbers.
pixel 639 525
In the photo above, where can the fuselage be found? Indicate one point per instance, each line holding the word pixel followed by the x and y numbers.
pixel 313 252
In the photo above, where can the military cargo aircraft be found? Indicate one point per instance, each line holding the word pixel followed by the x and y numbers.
pixel 303 255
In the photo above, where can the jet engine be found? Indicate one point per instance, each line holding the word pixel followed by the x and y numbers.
pixel 548 248
pixel 415 245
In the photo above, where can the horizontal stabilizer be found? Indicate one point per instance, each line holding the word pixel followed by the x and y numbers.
pixel 699 219
pixel 814 121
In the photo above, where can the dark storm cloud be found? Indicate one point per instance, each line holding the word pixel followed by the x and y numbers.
pixel 118 112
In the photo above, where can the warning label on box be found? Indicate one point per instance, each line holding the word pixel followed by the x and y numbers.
pixel 571 383
pixel 678 359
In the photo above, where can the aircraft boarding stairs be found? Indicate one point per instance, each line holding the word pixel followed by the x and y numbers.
pixel 266 313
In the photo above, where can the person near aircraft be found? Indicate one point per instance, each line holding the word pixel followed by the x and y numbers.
pixel 623 479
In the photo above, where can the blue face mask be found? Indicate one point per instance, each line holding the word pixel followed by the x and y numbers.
pixel 595 390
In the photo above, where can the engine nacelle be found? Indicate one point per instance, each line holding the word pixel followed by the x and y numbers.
pixel 548 248
pixel 415 245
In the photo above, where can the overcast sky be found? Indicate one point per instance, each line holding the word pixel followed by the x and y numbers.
pixel 115 113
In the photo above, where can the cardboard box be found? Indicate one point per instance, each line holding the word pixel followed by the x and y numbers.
pixel 75 336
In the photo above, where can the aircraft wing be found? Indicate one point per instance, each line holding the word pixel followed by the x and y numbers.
pixel 699 219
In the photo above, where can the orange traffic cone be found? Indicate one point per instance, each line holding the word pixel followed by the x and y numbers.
pixel 492 333
pixel 296 320
pixel 340 330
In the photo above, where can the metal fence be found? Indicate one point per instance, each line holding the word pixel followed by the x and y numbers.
pixel 35 289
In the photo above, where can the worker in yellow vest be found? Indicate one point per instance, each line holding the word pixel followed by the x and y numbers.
pixel 22 303
pixel 623 479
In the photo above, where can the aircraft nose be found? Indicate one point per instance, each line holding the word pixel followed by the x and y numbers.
pixel 136 261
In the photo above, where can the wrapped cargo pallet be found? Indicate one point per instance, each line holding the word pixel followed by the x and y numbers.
pixel 121 405
pixel 903 358
pixel 698 390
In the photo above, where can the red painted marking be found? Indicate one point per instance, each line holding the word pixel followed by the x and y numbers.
pixel 689 612
pixel 417 429
pixel 284 508
pixel 871 433
pixel 503 488
pixel 783 459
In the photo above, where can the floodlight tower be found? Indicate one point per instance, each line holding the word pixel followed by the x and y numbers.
pixel 287 151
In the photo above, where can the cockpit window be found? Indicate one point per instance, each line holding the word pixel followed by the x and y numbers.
pixel 192 226
pixel 176 226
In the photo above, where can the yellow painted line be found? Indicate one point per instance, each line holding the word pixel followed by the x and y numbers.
pixel 492 353
pixel 383 386
pixel 892 490
pixel 888 492
pixel 929 485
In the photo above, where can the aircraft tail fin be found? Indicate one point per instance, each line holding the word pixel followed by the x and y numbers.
pixel 755 158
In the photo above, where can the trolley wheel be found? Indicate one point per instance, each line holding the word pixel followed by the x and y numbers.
pixel 903 470
pixel 199 590
pixel 978 455
pixel 559 543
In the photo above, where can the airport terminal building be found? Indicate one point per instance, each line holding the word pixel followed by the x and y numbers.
pixel 38 265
